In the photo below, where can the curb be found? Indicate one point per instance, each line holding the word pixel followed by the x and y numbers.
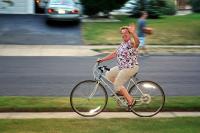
pixel 71 50
pixel 103 115
pixel 45 50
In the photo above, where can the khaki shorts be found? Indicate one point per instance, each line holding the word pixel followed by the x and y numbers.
pixel 120 77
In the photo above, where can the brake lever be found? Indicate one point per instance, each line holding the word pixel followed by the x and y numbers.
pixel 100 68
pixel 106 68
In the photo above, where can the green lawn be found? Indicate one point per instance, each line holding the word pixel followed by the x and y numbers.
pixel 151 125
pixel 13 103
pixel 169 30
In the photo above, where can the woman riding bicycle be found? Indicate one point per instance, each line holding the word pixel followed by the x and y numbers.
pixel 127 64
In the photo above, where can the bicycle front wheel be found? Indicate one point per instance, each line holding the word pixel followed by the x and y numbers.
pixel 150 98
pixel 88 98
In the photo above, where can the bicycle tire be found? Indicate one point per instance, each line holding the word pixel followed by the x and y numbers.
pixel 141 107
pixel 81 102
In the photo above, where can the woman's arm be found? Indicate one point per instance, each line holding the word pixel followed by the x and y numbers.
pixel 135 42
pixel 108 57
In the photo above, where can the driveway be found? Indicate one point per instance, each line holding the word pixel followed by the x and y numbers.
pixel 34 30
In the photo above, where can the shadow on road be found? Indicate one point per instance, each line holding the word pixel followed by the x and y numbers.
pixel 63 24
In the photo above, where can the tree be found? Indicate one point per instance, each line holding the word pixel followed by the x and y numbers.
pixel 140 6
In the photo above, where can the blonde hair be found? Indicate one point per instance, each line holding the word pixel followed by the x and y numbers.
pixel 123 28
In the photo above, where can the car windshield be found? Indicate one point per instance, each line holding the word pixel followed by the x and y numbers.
pixel 61 2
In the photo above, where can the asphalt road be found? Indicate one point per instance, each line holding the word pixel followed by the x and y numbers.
pixel 56 76
pixel 33 30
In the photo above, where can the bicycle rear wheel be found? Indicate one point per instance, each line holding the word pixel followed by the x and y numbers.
pixel 88 98
pixel 150 98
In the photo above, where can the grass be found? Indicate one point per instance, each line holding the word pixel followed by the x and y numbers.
pixel 41 104
pixel 169 30
pixel 151 125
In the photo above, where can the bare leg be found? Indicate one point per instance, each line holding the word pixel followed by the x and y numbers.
pixel 123 91
pixel 112 80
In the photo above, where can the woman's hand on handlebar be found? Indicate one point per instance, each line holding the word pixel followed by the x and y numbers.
pixel 99 60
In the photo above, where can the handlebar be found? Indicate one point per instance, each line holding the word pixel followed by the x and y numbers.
pixel 99 69
pixel 102 68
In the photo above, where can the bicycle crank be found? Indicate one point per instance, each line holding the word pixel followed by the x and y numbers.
pixel 146 98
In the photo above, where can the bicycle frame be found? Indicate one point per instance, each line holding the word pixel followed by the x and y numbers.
pixel 100 78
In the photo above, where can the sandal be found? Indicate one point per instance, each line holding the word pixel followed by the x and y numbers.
pixel 131 105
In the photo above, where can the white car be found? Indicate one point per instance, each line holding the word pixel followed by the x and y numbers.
pixel 64 10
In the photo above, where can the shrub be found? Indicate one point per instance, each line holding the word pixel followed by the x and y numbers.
pixel 155 8
pixel 92 7
pixel 170 8
pixel 195 5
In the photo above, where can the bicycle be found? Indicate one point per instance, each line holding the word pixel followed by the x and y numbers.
pixel 89 97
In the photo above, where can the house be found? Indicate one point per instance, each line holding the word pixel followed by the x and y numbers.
pixel 182 5
pixel 17 6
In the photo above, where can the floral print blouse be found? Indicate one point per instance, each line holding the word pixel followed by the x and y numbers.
pixel 126 55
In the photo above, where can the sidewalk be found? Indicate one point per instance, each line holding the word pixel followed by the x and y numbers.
pixel 103 115
pixel 69 50
pixel 46 50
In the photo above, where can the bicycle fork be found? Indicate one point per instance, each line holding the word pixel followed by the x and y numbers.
pixel 94 90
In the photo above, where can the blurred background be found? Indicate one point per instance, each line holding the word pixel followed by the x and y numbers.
pixel 154 7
